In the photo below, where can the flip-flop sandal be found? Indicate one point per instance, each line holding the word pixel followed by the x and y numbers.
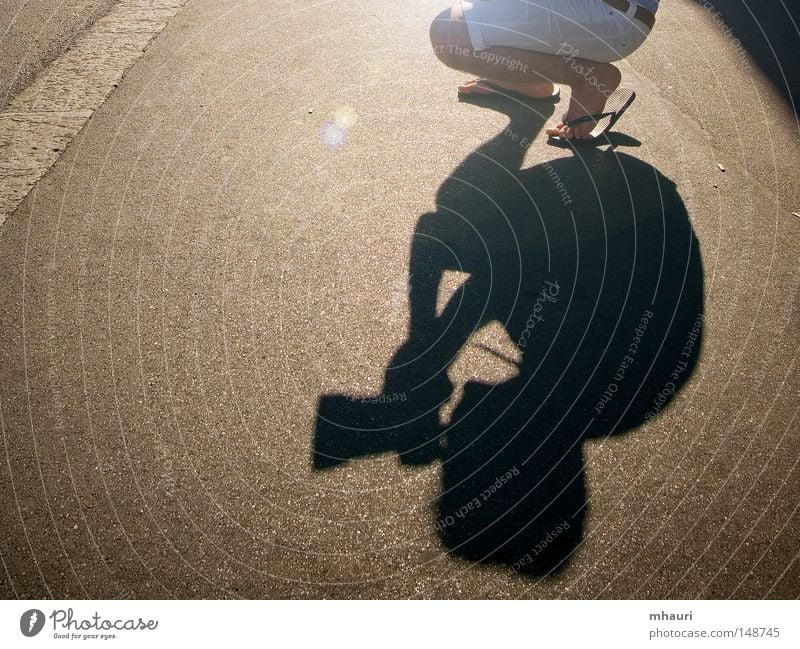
pixel 497 91
pixel 617 103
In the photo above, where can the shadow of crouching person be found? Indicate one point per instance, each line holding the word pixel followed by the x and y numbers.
pixel 591 266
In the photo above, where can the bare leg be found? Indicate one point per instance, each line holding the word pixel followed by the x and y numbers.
pixel 590 82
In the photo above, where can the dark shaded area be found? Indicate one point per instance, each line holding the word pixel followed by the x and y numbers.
pixel 591 264
pixel 769 33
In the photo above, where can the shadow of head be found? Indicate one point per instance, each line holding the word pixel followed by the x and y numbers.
pixel 590 265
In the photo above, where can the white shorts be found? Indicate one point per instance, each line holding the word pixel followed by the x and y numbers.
pixel 587 29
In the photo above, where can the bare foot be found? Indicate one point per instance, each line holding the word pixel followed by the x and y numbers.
pixel 532 89
pixel 588 97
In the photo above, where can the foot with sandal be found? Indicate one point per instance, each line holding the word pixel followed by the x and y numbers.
pixel 509 44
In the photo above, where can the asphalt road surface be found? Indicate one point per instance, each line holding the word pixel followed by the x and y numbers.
pixel 286 319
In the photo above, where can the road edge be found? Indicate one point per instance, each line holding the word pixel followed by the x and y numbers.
pixel 41 120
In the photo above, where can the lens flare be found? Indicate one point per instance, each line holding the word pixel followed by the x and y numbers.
pixel 345 116
pixel 333 135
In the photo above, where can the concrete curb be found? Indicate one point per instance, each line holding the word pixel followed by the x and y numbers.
pixel 41 120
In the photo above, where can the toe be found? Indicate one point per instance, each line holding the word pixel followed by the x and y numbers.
pixel 475 87
pixel 469 84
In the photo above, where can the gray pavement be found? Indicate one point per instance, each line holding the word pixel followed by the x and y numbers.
pixel 221 258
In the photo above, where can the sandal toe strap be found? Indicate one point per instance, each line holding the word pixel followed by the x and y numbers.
pixel 588 118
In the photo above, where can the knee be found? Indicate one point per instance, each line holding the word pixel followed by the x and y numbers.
pixel 446 37
pixel 439 33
